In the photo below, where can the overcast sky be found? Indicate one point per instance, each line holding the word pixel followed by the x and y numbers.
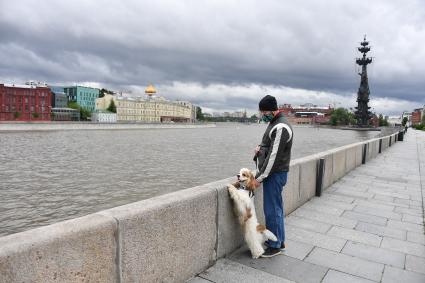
pixel 221 55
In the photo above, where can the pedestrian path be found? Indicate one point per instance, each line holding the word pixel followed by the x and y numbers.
pixel 367 227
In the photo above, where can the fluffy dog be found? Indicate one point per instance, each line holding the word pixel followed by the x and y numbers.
pixel 242 193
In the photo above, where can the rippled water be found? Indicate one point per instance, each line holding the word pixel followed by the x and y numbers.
pixel 46 177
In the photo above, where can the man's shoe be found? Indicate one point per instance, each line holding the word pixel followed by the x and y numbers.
pixel 282 247
pixel 271 252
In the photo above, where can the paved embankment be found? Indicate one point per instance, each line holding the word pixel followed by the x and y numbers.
pixel 173 237
pixel 366 227
pixel 63 126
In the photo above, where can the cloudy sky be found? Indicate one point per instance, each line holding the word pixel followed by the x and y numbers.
pixel 222 55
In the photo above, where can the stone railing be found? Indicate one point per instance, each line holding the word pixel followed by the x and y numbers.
pixel 169 238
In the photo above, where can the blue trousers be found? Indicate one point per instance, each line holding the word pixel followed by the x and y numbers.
pixel 273 206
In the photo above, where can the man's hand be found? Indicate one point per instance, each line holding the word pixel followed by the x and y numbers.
pixel 257 149
pixel 256 183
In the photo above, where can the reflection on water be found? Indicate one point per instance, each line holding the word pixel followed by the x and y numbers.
pixel 46 177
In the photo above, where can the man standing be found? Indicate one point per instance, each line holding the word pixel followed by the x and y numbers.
pixel 272 157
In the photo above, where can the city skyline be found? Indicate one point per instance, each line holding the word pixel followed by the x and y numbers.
pixel 221 55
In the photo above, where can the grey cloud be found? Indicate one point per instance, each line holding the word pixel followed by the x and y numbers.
pixel 309 45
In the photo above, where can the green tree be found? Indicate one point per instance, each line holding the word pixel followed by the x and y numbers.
pixel 199 115
pixel 341 116
pixel 16 115
pixel 35 115
pixel 112 108
pixel 382 122
pixel 104 91
pixel 404 121
pixel 423 119
pixel 84 113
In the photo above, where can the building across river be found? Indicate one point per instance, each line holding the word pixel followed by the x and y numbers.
pixel 150 108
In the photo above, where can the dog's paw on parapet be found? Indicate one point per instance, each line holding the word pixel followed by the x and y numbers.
pixel 233 187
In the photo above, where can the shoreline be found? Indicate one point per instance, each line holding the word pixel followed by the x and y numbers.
pixel 73 126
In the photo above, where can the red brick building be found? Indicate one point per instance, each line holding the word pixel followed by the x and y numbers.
pixel 306 114
pixel 25 103
pixel 417 116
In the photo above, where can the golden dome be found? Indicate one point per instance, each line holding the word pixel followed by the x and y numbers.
pixel 150 90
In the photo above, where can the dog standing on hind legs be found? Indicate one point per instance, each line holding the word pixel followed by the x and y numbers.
pixel 242 193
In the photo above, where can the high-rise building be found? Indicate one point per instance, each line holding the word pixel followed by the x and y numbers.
pixel 84 96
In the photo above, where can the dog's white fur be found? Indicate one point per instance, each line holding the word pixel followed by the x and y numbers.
pixel 255 234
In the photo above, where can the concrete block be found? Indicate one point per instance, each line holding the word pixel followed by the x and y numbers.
pixel 282 266
pixel 359 154
pixel 350 159
pixel 397 275
pixel 79 250
pixel 229 232
pixel 169 238
pixel 346 263
pixel 291 192
pixel 355 236
pixel 308 172
pixel 374 254
pixel 338 169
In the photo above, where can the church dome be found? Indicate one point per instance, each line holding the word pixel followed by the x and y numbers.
pixel 150 90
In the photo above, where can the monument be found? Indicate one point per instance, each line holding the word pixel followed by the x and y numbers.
pixel 362 113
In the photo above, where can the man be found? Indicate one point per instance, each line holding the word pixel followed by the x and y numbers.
pixel 272 157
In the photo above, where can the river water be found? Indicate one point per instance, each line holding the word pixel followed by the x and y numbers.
pixel 46 177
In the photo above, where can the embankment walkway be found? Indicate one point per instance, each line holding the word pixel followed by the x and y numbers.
pixel 367 227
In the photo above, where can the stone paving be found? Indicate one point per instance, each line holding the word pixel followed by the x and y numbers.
pixel 367 227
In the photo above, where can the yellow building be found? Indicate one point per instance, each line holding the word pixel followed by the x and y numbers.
pixel 149 109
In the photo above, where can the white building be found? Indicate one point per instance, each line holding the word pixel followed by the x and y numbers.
pixel 103 117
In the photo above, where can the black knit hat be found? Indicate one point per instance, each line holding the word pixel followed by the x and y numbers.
pixel 268 103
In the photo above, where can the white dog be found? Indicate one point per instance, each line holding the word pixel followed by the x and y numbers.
pixel 242 193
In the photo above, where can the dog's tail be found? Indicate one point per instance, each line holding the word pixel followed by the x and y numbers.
pixel 270 235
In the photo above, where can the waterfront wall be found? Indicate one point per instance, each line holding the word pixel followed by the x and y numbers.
pixel 60 126
pixel 169 238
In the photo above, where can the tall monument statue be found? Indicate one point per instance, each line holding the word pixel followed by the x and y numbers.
pixel 362 113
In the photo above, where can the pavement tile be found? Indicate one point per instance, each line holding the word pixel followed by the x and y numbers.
pixel 332 203
pixel 356 236
pixel 397 275
pixel 381 230
pixel 325 217
pixel 296 249
pixel 365 218
pixel 411 211
pixel 337 198
pixel 227 271
pixel 413 219
pixel 375 254
pixel 282 266
pixel 405 226
pixel 403 246
pixel 345 263
pixel 375 203
pixel 315 239
pixel 334 276
pixel 416 237
pixel 377 212
pixel 307 224
pixel 415 263
pixel 323 208
pixel 354 194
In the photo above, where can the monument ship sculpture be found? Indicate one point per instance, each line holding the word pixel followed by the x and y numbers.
pixel 362 113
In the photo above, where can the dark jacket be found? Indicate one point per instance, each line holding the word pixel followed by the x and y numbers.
pixel 275 148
